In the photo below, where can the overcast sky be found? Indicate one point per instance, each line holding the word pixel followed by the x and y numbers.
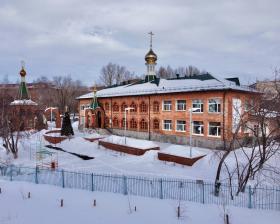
pixel 78 37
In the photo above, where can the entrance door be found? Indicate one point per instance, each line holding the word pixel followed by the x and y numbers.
pixel 98 125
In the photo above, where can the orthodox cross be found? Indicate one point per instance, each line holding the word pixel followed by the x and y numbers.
pixel 22 63
pixel 151 40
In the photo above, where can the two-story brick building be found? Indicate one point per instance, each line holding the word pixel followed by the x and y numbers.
pixel 160 109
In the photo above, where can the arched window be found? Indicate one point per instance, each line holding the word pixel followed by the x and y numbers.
pixel 123 106
pixel 143 107
pixel 115 122
pixel 115 107
pixel 123 123
pixel 107 106
pixel 156 106
pixel 134 106
pixel 143 125
pixel 133 124
pixel 156 124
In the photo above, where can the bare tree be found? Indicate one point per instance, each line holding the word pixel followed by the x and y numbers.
pixel 114 74
pixel 169 72
pixel 66 92
pixel 261 120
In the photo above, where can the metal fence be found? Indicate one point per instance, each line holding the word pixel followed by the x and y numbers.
pixel 163 188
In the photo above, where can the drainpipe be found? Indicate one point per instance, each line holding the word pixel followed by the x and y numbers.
pixel 224 106
pixel 149 117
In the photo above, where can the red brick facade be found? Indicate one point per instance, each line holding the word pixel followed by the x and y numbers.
pixel 148 114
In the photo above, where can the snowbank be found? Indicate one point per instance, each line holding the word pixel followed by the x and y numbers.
pixel 183 151
pixel 132 142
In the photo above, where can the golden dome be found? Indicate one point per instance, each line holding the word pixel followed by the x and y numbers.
pixel 22 72
pixel 150 57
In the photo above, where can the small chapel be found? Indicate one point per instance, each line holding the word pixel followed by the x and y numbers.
pixel 26 114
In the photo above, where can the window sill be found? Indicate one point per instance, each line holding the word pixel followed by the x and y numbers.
pixel 214 112
pixel 181 110
pixel 201 135
pixel 167 129
pixel 214 136
pixel 166 110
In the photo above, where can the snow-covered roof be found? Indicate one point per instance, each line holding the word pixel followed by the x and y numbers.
pixel 24 102
pixel 168 86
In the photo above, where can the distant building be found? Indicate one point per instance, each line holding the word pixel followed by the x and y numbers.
pixel 159 109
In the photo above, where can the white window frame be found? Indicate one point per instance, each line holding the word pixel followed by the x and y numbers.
pixel 185 105
pixel 201 125
pixel 163 105
pixel 197 109
pixel 170 125
pixel 184 125
pixel 219 105
pixel 218 136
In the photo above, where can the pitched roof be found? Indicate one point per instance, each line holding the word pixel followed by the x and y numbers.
pixel 189 84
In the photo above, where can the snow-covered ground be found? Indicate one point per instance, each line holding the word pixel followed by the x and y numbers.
pixel 44 207
pixel 108 161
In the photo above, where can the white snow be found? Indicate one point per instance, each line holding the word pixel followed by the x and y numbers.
pixel 132 142
pixel 108 161
pixel 167 86
pixel 24 102
pixel 44 207
pixel 183 151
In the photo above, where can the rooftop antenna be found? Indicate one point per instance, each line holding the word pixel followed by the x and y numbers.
pixel 151 39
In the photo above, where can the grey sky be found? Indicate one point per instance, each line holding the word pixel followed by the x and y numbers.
pixel 78 37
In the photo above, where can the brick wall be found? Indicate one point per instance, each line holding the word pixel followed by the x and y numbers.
pixel 224 117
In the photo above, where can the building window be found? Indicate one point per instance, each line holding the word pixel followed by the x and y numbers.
pixel 198 128
pixel 124 123
pixel 181 125
pixel 214 105
pixel 82 107
pixel 107 106
pixel 197 106
pixel 115 122
pixel 156 106
pixel 167 125
pixel 134 106
pixel 181 105
pixel 167 105
pixel 133 124
pixel 214 129
pixel 156 124
pixel 248 105
pixel 143 107
pixel 115 107
pixel 123 106
pixel 143 125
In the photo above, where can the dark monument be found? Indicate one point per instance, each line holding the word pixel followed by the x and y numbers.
pixel 66 129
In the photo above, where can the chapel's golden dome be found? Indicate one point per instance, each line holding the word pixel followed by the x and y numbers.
pixel 151 57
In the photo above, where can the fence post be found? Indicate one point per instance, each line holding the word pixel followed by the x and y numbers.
pixel 92 186
pixel 62 178
pixel 124 185
pixel 160 189
pixel 250 197
pixel 11 173
pixel 36 175
pixel 203 198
